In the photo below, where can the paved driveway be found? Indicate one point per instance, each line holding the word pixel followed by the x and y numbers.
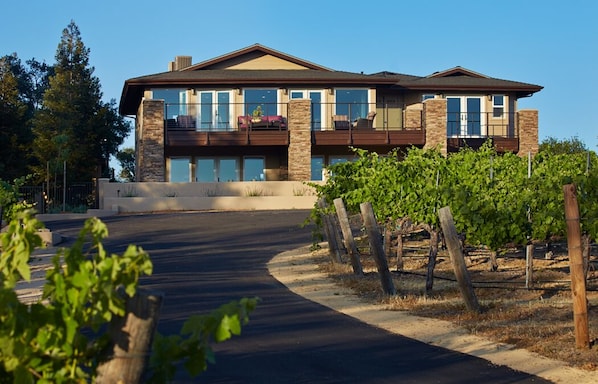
pixel 205 259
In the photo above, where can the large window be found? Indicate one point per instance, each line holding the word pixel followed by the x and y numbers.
pixel 211 169
pixel 179 170
pixel 253 169
pixel 265 98
pixel 352 103
pixel 175 101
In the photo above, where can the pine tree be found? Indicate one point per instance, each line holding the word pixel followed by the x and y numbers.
pixel 73 125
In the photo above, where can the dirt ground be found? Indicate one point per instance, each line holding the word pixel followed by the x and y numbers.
pixel 537 317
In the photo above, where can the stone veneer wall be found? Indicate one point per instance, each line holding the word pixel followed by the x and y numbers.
pixel 434 119
pixel 528 132
pixel 412 118
pixel 150 162
pixel 299 123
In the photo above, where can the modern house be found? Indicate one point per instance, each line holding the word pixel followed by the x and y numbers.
pixel 260 114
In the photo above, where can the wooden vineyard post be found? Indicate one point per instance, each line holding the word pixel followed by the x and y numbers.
pixel 576 267
pixel 343 221
pixel 329 229
pixel 375 239
pixel 529 266
pixel 453 245
pixel 131 338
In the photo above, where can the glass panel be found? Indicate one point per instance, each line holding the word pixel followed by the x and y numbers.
pixel 265 98
pixel 205 111
pixel 179 170
pixel 297 95
pixel 352 102
pixel 453 116
pixel 316 110
pixel 206 170
pixel 317 167
pixel 228 170
pixel 223 111
pixel 253 169
pixel 174 101
pixel 474 115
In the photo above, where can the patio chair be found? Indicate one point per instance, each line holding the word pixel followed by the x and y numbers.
pixel 340 122
pixel 365 124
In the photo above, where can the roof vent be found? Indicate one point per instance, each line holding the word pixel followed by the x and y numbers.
pixel 179 63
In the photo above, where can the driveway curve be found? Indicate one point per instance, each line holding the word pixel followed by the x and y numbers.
pixel 204 259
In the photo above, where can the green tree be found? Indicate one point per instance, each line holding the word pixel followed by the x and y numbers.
pixel 89 129
pixel 15 131
pixel 126 158
pixel 555 146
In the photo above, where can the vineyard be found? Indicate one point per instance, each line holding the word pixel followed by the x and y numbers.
pixel 510 220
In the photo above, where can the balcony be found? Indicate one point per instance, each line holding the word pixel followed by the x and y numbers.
pixel 473 130
pixel 371 125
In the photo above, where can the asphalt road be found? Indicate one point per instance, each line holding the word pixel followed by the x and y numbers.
pixel 205 259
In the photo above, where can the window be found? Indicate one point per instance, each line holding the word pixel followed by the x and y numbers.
pixel 253 169
pixel 179 170
pixel 352 103
pixel 427 96
pixel 211 169
pixel 228 169
pixel 175 101
pixel 265 98
pixel 206 170
pixel 214 115
pixel 498 105
pixel 317 168
pixel 317 108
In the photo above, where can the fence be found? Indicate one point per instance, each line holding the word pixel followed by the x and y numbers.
pixel 54 197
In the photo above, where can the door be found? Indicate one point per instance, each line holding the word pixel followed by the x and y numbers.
pixel 464 116
pixel 316 106
pixel 214 116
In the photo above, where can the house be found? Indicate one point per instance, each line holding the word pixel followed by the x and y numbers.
pixel 260 114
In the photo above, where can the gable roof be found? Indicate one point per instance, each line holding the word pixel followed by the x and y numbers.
pixel 250 53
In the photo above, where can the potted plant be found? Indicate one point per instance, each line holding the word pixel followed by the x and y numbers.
pixel 256 115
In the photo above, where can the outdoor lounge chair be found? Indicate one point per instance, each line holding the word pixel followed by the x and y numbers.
pixel 365 124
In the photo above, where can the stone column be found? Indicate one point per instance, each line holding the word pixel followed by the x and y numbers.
pixel 299 123
pixel 528 132
pixel 434 116
pixel 150 164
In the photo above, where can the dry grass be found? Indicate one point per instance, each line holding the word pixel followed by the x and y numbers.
pixel 538 319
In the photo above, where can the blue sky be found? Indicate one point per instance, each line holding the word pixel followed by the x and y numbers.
pixel 549 43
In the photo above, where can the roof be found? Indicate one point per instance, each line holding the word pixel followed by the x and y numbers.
pixel 212 72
